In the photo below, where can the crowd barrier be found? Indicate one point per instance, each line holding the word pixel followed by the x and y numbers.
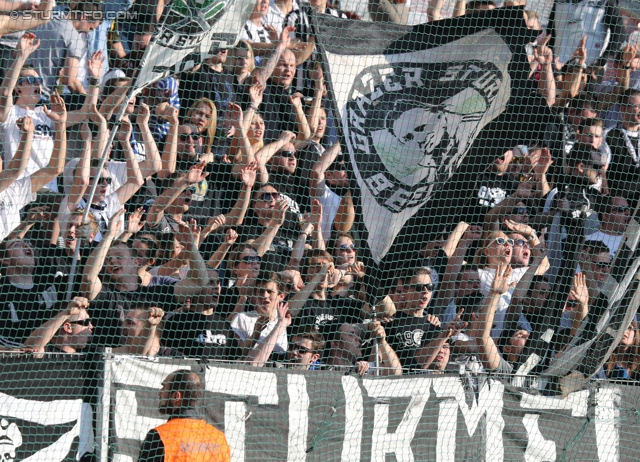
pixel 278 414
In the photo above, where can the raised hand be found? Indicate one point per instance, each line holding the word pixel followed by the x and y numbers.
pixel 296 100
pixel 134 224
pixel 196 231
pixel 255 94
pixel 377 331
pixel 434 320
pixel 273 33
pixel 362 367
pixel 38 214
pixel 155 316
pixel 284 317
pixel 195 175
pixel 520 228
pixel 473 233
pixel 230 236
pixel 75 305
pixel 248 174
pixel 316 212
pixel 184 235
pixel 214 223
pixel 28 44
pixel 94 65
pixel 317 77
pixel 543 53
pixel 456 325
pixel 235 116
pixel 285 37
pixel 143 115
pixel 58 112
pixel 580 54
pixel 25 124
pixel 124 132
pixel 114 223
pixel 579 289
pixel 287 136
pixel 280 212
pixel 501 283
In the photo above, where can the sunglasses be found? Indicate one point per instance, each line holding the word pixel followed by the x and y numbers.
pixel 346 247
pixel 299 349
pixel 84 322
pixel 193 136
pixel 422 287
pixel 520 211
pixel 503 241
pixel 268 197
pixel 287 154
pixel 601 265
pixel 251 259
pixel 521 243
pixel 30 80
pixel 103 180
pixel 622 208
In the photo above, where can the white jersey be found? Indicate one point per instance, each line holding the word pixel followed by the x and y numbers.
pixel 12 200
pixel 244 323
pixel 486 280
pixel 102 211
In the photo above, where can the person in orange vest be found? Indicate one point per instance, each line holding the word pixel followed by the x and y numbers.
pixel 186 437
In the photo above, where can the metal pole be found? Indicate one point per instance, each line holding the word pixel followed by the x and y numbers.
pixel 375 343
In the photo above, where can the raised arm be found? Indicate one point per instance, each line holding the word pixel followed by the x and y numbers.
pixel 304 132
pixel 170 194
pixel 263 242
pixel 387 12
pixel 317 77
pixel 170 150
pixel 197 277
pixel 464 235
pixel 18 164
pixel 300 298
pixel 317 172
pixel 267 152
pixel 9 24
pixel 248 176
pixel 388 357
pixel 264 71
pixel 134 176
pixel 547 82
pixel 91 284
pixel 26 45
pixel 260 355
pixel 83 170
pixel 299 247
pixel 55 167
pixel 216 259
pixel 94 66
pixel 41 336
pixel 152 163
pixel 480 329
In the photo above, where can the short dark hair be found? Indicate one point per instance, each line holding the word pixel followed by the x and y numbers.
pixel 537 279
pixel 627 95
pixel 592 122
pixel 265 277
pixel 580 103
pixel 419 271
pixel 332 243
pixel 595 247
pixel 316 338
pixel 314 254
pixel 476 3
pixel 190 385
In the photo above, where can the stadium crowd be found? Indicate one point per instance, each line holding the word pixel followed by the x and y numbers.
pixel 221 224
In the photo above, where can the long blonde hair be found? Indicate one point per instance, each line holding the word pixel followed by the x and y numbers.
pixel 235 152
pixel 480 259
pixel 213 122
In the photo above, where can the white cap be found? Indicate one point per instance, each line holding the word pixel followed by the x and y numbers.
pixel 112 74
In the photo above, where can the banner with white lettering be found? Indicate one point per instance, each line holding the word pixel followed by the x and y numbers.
pixel 42 416
pixel 277 414
pixel 192 32
pixel 421 109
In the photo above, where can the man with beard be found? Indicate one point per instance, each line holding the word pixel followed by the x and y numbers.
pixel 186 436
pixel 329 183
pixel 201 332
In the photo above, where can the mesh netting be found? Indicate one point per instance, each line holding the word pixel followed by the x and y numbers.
pixel 235 230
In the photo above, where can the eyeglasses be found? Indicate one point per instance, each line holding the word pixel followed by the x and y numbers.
pixel 251 259
pixel 520 211
pixel 31 80
pixel 622 208
pixel 287 154
pixel 103 180
pixel 521 243
pixel 268 197
pixel 83 322
pixel 422 287
pixel 347 247
pixel 193 136
pixel 503 241
pixel 299 349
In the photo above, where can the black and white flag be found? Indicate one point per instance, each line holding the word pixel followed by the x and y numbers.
pixel 414 102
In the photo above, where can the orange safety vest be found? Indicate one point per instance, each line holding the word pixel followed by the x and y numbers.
pixel 192 440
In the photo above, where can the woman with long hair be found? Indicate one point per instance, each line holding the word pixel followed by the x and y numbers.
pixel 203 115
pixel 623 363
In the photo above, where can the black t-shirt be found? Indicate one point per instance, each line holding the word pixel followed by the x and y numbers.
pixel 24 309
pixel 327 315
pixel 277 112
pixel 407 334
pixel 623 175
pixel 219 87
pixel 277 257
pixel 109 308
pixel 227 301
pixel 490 190
pixel 196 334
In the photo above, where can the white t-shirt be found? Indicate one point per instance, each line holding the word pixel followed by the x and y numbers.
pixel 252 33
pixel 486 279
pixel 275 17
pixel 330 202
pixel 107 208
pixel 244 323
pixel 611 241
pixel 12 200
pixel 117 169
pixel 42 146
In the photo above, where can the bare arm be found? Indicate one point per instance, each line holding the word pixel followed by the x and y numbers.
pixel 41 336
pixel 264 71
pixel 91 284
pixel 304 132
pixel 317 172
pixel 18 164
pixel 82 171
pixel 197 277
pixel 434 10
pixel 460 8
pixel 152 163
pixel 9 25
pixel 260 355
pixel 217 257
pixel 248 176
pixel 55 166
pixel 387 12
pixel 346 214
pixel 297 302
pixel 299 247
pixel 170 150
pixel 26 45
pixel 547 82
pixel 134 176
pixel 267 152
pixel 388 356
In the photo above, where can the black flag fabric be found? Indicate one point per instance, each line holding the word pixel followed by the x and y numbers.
pixel 423 112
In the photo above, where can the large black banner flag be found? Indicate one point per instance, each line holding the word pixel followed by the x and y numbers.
pixel 423 109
